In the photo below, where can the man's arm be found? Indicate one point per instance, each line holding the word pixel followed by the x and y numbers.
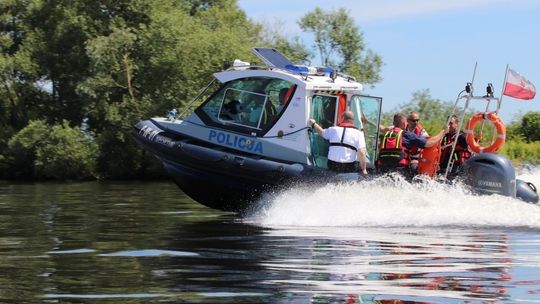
pixel 433 140
pixel 362 160
pixel 316 126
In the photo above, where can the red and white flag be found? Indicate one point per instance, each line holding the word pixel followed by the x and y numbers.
pixel 518 87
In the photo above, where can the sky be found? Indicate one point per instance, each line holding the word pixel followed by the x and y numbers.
pixel 432 44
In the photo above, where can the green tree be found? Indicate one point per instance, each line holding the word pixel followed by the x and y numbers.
pixel 59 151
pixel 271 35
pixel 520 151
pixel 62 29
pixel 338 38
pixel 22 149
pixel 433 112
pixel 139 70
pixel 530 126
pixel 513 131
pixel 20 92
pixel 66 153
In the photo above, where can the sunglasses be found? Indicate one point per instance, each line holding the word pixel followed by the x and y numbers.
pixel 413 120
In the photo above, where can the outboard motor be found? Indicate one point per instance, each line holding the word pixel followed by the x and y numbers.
pixel 492 173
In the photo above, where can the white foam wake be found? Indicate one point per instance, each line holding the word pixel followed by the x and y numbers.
pixel 393 202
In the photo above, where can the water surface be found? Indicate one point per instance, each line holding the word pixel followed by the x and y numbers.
pixel 384 242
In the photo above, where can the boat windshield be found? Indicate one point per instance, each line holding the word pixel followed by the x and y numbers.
pixel 247 105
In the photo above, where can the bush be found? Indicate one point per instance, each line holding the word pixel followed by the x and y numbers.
pixel 121 157
pixel 66 153
pixel 530 126
pixel 22 149
pixel 118 157
pixel 59 151
pixel 5 134
pixel 522 152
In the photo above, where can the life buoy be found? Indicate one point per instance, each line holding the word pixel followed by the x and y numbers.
pixel 499 126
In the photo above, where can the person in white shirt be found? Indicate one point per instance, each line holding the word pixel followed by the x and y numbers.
pixel 347 145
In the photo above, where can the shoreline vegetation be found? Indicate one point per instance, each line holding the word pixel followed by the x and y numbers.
pixel 76 76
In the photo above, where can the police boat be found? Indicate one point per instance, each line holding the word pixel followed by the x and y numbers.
pixel 249 133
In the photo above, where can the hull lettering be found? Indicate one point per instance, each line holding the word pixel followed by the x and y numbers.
pixel 235 141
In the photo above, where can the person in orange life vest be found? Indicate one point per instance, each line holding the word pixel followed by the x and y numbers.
pixel 461 152
pixel 347 144
pixel 413 125
pixel 396 144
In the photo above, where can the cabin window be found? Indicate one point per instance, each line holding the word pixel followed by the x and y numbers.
pixel 323 110
pixel 247 105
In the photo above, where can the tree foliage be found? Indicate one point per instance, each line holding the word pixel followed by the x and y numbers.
pixel 271 35
pixel 338 38
pixel 58 151
pixel 521 151
pixel 20 95
pixel 434 112
pixel 22 149
pixel 530 126
pixel 66 153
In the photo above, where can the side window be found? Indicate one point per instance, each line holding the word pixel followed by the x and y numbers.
pixel 324 110
pixel 247 104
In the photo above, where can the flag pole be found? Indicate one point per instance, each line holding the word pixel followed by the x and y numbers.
pixel 502 91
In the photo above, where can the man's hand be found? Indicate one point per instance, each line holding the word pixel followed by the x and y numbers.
pixel 446 129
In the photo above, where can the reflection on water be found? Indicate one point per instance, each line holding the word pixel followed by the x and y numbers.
pixel 149 243
pixel 408 265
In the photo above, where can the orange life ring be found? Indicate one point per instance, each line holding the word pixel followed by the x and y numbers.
pixel 499 126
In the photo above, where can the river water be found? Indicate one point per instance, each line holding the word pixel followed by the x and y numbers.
pixel 374 242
